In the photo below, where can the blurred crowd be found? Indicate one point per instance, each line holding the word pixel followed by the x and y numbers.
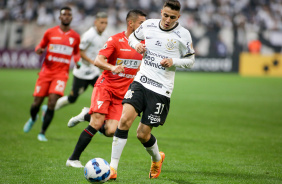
pixel 266 14
pixel 221 22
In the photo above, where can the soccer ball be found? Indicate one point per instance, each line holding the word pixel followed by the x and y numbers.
pixel 97 170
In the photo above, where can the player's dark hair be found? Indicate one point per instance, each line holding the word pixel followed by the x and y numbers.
pixel 133 14
pixel 65 8
pixel 101 15
pixel 173 4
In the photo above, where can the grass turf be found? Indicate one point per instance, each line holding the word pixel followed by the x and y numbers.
pixel 222 128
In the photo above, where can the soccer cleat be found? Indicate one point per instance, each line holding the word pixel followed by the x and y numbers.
pixel 74 163
pixel 41 137
pixel 28 125
pixel 43 109
pixel 113 174
pixel 156 167
pixel 77 119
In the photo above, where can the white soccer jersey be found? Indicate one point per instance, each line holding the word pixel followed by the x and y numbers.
pixel 91 42
pixel 174 43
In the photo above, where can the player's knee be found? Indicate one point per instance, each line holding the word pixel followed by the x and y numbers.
pixel 72 98
pixel 141 136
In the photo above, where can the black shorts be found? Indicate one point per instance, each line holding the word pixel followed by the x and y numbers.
pixel 154 106
pixel 80 85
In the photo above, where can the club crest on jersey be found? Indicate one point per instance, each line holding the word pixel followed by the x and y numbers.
pixel 128 94
pixel 170 44
pixel 71 40
pixel 105 46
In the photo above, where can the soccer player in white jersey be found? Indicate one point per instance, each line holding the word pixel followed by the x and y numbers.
pixel 87 74
pixel 167 45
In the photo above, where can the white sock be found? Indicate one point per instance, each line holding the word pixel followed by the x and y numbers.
pixel 62 102
pixel 117 148
pixel 154 152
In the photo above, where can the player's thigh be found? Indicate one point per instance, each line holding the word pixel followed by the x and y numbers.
pixel 58 86
pixel 157 108
pixel 42 86
pixel 114 109
pixel 135 96
pixel 128 116
pixel 78 86
pixel 100 100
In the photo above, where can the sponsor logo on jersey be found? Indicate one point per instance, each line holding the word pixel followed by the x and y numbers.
pixel 149 37
pixel 158 43
pixel 99 103
pixel 121 40
pixel 155 65
pixel 177 33
pixel 71 40
pixel 58 59
pixel 56 38
pixel 154 118
pixel 148 52
pixel 60 49
pixel 151 25
pixel 128 50
pixel 128 63
pixel 170 44
pixel 128 94
pixel 129 76
pixel 151 82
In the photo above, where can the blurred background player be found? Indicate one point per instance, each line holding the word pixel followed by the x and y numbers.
pixel 120 64
pixel 87 74
pixel 62 44
pixel 167 45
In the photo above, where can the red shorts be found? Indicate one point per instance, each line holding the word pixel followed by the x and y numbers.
pixel 46 85
pixel 103 101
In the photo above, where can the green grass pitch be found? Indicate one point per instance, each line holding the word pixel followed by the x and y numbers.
pixel 221 129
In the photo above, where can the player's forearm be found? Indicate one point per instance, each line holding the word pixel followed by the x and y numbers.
pixel 85 57
pixel 101 63
pixel 133 41
pixel 186 62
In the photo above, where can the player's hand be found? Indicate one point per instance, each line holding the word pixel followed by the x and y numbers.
pixel 117 69
pixel 39 51
pixel 166 62
pixel 140 48
pixel 78 64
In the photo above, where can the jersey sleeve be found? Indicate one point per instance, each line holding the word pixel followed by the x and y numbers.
pixel 108 48
pixel 44 42
pixel 76 51
pixel 139 32
pixel 85 40
pixel 186 47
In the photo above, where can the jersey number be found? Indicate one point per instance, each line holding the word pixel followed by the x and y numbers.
pixel 160 108
pixel 60 85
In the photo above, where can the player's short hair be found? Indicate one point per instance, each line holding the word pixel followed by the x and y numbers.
pixel 101 15
pixel 133 14
pixel 173 4
pixel 65 8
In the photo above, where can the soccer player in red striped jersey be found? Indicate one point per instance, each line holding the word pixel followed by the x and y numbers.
pixel 120 64
pixel 61 43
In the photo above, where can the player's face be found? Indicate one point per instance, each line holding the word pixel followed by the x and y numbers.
pixel 138 22
pixel 65 17
pixel 169 17
pixel 101 24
